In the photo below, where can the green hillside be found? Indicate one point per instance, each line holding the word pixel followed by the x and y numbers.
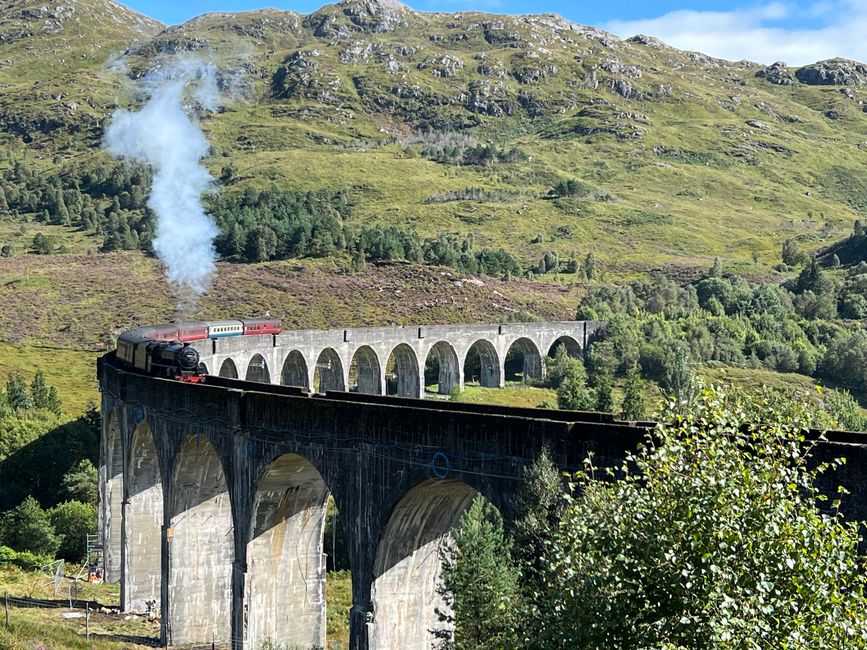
pixel 676 157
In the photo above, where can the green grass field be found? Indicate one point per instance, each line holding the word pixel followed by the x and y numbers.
pixel 47 629
pixel 73 372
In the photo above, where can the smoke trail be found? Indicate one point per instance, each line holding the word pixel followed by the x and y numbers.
pixel 163 135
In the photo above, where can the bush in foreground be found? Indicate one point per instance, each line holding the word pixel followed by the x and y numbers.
pixel 714 536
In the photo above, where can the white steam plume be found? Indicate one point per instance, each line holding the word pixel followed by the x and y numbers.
pixel 163 135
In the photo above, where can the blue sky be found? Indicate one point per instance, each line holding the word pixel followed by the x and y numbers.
pixel 796 31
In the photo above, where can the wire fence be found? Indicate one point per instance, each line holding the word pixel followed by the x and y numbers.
pixel 92 614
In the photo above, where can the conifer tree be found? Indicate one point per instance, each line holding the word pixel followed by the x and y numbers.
pixel 17 395
pixel 590 266
pixel 633 407
pixel 39 390
pixel 52 403
pixel 604 396
pixel 479 583
pixel 573 393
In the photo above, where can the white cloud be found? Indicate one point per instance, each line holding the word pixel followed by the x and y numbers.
pixel 761 33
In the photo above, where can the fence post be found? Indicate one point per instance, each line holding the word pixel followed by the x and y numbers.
pixel 87 622
pixel 6 604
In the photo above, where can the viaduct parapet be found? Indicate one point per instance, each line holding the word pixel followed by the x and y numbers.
pixel 393 360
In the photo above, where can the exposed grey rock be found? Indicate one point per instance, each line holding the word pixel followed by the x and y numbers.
pixel 358 51
pixel 443 66
pixel 648 41
pixel 833 72
pixel 496 33
pixel 392 66
pixel 376 15
pixel 758 124
pixel 622 88
pixel 777 73
pixel 488 98
pixel 325 25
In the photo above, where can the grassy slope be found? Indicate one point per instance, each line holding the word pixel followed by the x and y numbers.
pixel 45 628
pixel 81 301
pixel 73 372
pixel 727 189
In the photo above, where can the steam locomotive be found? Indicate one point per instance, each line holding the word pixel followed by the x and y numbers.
pixel 165 351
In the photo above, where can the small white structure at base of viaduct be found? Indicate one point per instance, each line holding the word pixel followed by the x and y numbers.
pixel 396 360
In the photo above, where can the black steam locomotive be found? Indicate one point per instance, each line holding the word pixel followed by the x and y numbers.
pixel 170 359
pixel 165 351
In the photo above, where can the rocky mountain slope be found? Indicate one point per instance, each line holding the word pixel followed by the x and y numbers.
pixel 464 122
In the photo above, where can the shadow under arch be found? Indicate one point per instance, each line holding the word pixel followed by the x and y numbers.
pixel 523 361
pixel 143 520
pixel 482 364
pixel 328 374
pixel 406 571
pixel 257 370
pixel 294 372
pixel 402 372
pixel 442 368
pixel 284 601
pixel 228 369
pixel 203 368
pixel 364 372
pixel 201 547
pixel 112 498
pixel 572 346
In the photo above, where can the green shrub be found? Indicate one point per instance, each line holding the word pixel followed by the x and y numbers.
pixel 24 560
pixel 73 521
pixel 27 528
pixel 713 536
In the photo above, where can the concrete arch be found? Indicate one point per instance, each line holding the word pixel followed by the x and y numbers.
pixel 112 498
pixel 285 583
pixel 523 361
pixel 203 368
pixel 257 370
pixel 201 547
pixel 573 347
pixel 406 571
pixel 445 369
pixel 228 369
pixel 482 364
pixel 328 374
pixel 365 373
pixel 294 371
pixel 143 520
pixel 403 372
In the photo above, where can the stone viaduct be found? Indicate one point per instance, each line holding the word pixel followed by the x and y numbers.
pixel 213 496
pixel 392 360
